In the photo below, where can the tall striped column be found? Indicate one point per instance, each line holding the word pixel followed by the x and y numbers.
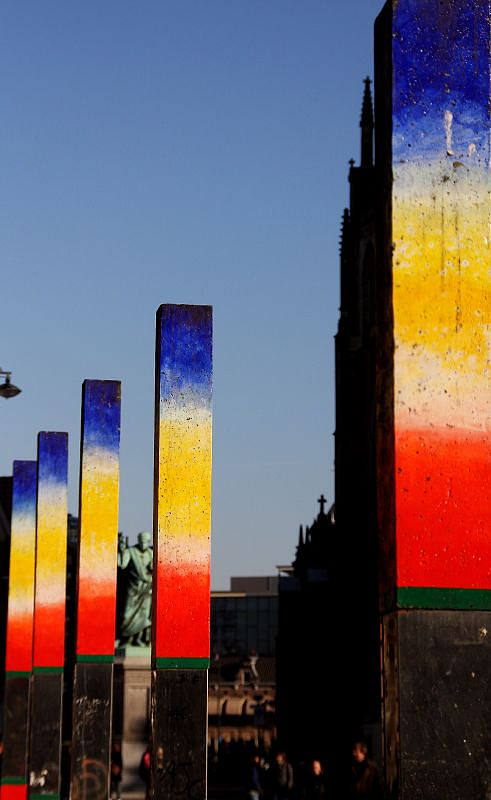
pixel 96 599
pixel 433 129
pixel 49 616
pixel 182 520
pixel 18 665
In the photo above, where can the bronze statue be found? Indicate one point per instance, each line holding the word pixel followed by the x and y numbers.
pixel 135 565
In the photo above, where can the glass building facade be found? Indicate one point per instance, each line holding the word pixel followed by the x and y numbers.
pixel 245 622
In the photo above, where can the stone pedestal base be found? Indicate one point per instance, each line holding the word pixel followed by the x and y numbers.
pixel 132 693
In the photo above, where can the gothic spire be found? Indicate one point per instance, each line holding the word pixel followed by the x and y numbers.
pixel 300 538
pixel 366 125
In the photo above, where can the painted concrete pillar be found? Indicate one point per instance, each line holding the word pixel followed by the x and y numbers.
pixel 96 583
pixel 18 666
pixel 434 411
pixel 49 616
pixel 182 519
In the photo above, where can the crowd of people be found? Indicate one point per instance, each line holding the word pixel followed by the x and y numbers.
pixel 260 775
pixel 278 780
pixel 264 776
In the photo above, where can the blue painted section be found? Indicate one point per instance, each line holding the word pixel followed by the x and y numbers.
pixel 101 420
pixel 441 59
pixel 52 458
pixel 185 341
pixel 24 488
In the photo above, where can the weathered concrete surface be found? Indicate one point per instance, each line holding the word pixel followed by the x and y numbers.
pixel 433 390
pixel 20 616
pixel 182 522
pixel 49 614
pixel 96 590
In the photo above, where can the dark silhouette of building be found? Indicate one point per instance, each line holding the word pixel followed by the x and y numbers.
pixel 305 647
pixel 355 461
pixel 328 620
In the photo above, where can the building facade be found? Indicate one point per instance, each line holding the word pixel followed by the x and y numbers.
pixel 242 679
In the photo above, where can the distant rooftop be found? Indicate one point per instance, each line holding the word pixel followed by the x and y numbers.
pixel 256 585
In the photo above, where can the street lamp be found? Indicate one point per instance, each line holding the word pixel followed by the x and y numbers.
pixel 8 389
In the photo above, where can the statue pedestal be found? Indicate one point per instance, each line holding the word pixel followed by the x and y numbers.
pixel 131 715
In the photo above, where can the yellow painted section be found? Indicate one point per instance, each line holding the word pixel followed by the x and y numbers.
pixel 22 565
pixel 51 547
pixel 442 294
pixel 99 503
pixel 185 478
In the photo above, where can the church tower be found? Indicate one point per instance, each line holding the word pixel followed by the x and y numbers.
pixel 355 495
pixel 328 600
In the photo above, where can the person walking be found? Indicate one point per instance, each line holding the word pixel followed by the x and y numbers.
pixel 282 778
pixel 314 784
pixel 365 782
pixel 116 770
pixel 145 770
pixel 254 779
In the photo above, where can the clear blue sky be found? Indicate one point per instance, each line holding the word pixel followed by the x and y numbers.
pixel 191 152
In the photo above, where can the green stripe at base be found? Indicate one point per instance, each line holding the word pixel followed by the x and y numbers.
pixel 47 671
pixel 13 780
pixel 182 663
pixel 85 659
pixel 47 796
pixel 430 597
pixel 16 673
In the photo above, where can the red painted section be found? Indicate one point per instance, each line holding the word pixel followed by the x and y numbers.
pixel 13 791
pixel 19 643
pixel 49 636
pixel 443 502
pixel 96 620
pixel 183 617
